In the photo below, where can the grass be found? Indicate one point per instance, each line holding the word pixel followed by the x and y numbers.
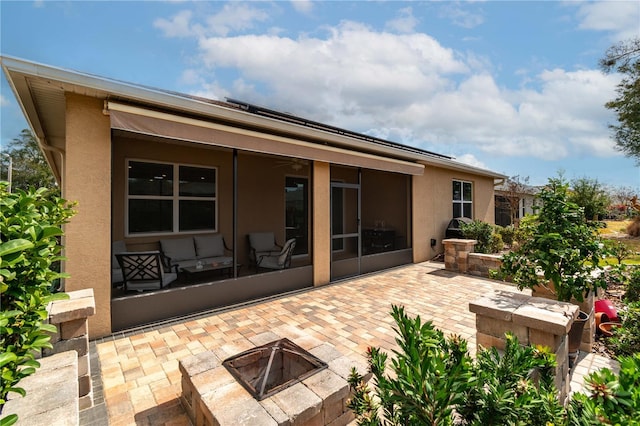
pixel 617 229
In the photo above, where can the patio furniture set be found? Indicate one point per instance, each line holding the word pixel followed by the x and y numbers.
pixel 194 258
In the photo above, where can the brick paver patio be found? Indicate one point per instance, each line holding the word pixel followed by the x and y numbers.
pixel 139 369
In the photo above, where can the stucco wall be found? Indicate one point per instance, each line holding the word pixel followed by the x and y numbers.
pixel 321 195
pixel 432 207
pixel 87 180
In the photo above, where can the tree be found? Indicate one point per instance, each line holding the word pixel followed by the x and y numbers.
pixel 624 58
pixel 30 169
pixel 513 190
pixel 563 249
pixel 591 195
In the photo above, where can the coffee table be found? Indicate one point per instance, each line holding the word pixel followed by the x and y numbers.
pixel 192 272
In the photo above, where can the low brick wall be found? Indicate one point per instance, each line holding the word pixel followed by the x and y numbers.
pixel 479 264
pixel 52 393
pixel 61 387
pixel 533 320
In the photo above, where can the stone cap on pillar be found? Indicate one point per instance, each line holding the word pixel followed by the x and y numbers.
pixel 533 312
pixel 81 304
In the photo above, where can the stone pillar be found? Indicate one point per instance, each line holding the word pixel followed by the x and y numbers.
pixel 533 320
pixel 456 253
pixel 587 306
pixel 321 251
pixel 71 320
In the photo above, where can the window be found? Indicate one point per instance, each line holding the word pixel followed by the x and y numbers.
pixel 462 199
pixel 170 198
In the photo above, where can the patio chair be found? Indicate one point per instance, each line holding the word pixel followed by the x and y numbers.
pixel 262 244
pixel 280 260
pixel 144 271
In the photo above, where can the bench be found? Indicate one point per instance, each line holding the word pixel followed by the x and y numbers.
pixel 186 252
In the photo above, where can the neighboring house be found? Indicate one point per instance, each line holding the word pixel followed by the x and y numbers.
pixel 146 164
pixel 514 202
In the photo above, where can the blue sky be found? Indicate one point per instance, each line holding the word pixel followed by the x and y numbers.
pixel 509 86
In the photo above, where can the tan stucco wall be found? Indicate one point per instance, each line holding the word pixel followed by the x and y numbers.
pixel 432 207
pixel 321 194
pixel 87 180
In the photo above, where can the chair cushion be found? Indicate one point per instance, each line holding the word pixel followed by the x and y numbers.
pixel 117 247
pixel 263 241
pixel 209 246
pixel 178 249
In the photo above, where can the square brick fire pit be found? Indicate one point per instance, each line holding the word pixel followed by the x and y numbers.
pixel 213 396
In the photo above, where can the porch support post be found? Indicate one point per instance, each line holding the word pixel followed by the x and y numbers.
pixel 321 223
pixel 87 179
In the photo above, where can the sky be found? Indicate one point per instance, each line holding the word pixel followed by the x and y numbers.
pixel 510 86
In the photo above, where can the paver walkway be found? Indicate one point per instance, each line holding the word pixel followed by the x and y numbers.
pixel 140 377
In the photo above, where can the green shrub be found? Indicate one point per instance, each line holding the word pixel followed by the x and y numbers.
pixel 632 293
pixel 609 399
pixel 30 226
pixel 515 387
pixel 507 233
pixel 435 382
pixel 483 233
pixel 430 376
pixel 626 338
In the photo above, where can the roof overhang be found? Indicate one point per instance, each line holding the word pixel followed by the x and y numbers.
pixel 40 91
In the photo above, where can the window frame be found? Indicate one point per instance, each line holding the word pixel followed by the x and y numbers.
pixel 462 201
pixel 175 198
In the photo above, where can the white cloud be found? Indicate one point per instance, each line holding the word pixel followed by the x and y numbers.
pixel 460 15
pixel 471 160
pixel 178 26
pixel 235 17
pixel 232 17
pixel 621 18
pixel 404 23
pixel 412 90
pixel 3 101
pixel 303 6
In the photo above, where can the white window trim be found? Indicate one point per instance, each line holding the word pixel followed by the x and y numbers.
pixel 176 198
pixel 462 201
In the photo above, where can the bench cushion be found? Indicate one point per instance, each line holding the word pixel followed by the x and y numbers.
pixel 209 246
pixel 178 249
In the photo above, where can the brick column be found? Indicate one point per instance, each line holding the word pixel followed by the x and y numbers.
pixel 456 254
pixel 533 320
pixel 71 320
pixel 587 306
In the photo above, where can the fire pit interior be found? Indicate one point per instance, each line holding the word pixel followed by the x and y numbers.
pixel 270 368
